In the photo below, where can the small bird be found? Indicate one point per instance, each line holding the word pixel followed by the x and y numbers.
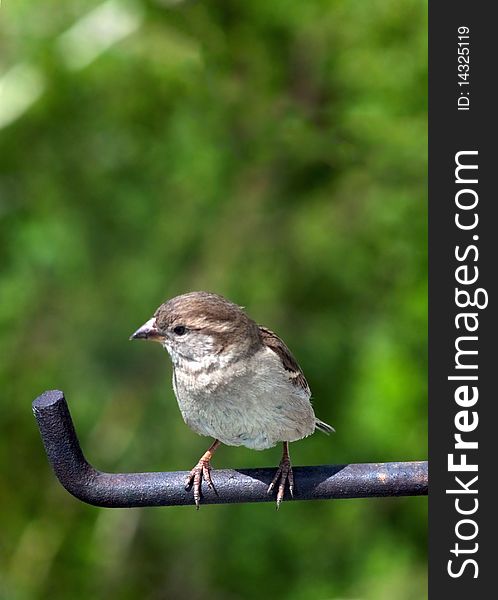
pixel 234 381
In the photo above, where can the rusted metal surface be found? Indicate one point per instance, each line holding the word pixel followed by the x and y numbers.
pixel 239 485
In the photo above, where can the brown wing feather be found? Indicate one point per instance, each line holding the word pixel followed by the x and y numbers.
pixel 289 363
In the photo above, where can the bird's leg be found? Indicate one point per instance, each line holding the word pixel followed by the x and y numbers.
pixel 202 470
pixel 283 474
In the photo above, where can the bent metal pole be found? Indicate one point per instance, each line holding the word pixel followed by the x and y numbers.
pixel 121 490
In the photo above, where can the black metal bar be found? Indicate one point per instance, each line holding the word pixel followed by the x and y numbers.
pixel 241 485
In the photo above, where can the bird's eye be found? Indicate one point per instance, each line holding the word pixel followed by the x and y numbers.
pixel 180 330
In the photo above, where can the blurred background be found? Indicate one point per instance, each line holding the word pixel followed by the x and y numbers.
pixel 271 151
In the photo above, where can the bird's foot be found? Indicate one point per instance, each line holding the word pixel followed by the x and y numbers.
pixel 282 476
pixel 202 470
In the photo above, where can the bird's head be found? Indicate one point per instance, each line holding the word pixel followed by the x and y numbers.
pixel 201 327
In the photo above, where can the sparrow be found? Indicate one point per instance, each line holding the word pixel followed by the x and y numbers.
pixel 234 381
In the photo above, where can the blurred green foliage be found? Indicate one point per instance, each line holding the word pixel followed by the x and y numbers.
pixel 271 151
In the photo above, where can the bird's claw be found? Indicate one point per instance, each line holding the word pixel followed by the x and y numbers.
pixel 202 470
pixel 283 475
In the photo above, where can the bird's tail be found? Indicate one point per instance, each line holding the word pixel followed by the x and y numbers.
pixel 325 427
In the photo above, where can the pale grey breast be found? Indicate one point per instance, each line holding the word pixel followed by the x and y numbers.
pixel 256 402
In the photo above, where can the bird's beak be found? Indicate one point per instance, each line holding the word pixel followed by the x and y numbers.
pixel 148 331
